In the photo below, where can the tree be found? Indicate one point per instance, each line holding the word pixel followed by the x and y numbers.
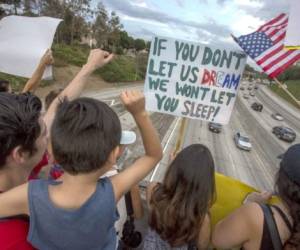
pixel 29 6
pixel 115 28
pixel 101 26
pixel 126 41
pixel 80 10
pixel 139 44
pixel 14 4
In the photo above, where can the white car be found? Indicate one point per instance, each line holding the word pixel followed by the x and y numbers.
pixel 277 117
pixel 242 141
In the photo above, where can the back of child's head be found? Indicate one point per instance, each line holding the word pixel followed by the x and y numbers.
pixel 84 133
pixel 4 85
pixel 181 202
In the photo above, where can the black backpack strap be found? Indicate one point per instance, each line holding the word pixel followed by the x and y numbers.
pixel 268 216
pixel 284 217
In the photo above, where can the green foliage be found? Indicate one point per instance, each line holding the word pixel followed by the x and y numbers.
pixel 293 87
pixel 75 55
pixel 139 44
pixel 121 69
pixel 292 73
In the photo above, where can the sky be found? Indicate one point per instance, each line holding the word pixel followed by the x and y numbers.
pixel 204 21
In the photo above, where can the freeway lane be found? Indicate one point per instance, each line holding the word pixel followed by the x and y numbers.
pixel 291 118
pixel 258 167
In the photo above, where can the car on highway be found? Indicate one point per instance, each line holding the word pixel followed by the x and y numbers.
pixel 249 88
pixel 215 127
pixel 257 106
pixel 242 141
pixel 246 96
pixel 277 116
pixel 284 133
pixel 256 87
pixel 252 94
pixel 242 88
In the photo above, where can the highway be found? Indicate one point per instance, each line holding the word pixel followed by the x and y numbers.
pixel 257 168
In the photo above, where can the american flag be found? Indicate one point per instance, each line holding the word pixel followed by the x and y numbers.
pixel 265 46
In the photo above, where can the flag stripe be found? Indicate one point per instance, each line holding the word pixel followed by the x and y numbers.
pixel 270 52
pixel 266 62
pixel 283 62
pixel 273 21
pixel 280 38
pixel 276 59
pixel 276 27
pixel 285 66
pixel 277 35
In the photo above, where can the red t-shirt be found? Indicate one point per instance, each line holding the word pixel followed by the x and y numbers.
pixel 13 234
pixel 13 231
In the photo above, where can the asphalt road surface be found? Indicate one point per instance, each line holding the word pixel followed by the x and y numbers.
pixel 258 167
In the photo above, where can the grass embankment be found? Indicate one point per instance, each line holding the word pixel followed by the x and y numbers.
pixel 122 69
pixel 293 87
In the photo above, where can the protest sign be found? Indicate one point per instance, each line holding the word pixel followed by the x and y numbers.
pixel 23 41
pixel 193 80
pixel 292 39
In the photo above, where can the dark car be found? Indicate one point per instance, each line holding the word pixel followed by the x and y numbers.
pixel 249 88
pixel 284 133
pixel 215 127
pixel 257 106
pixel 242 88
pixel 256 87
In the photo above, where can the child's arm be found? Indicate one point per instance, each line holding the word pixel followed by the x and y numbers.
pixel 136 202
pixel 32 84
pixel 14 202
pixel 134 101
pixel 97 59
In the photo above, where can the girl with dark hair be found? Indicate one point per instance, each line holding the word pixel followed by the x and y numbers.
pixel 250 226
pixel 179 206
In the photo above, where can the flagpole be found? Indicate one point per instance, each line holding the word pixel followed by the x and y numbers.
pixel 287 91
pixel 179 141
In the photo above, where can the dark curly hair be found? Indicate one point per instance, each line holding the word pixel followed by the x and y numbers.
pixel 289 193
pixel 178 205
pixel 19 123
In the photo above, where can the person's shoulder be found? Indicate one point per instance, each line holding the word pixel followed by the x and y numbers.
pixel 14 234
pixel 252 213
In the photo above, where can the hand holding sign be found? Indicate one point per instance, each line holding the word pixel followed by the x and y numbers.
pixel 192 80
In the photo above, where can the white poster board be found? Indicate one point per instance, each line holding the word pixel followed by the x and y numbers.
pixel 292 38
pixel 23 41
pixel 193 80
